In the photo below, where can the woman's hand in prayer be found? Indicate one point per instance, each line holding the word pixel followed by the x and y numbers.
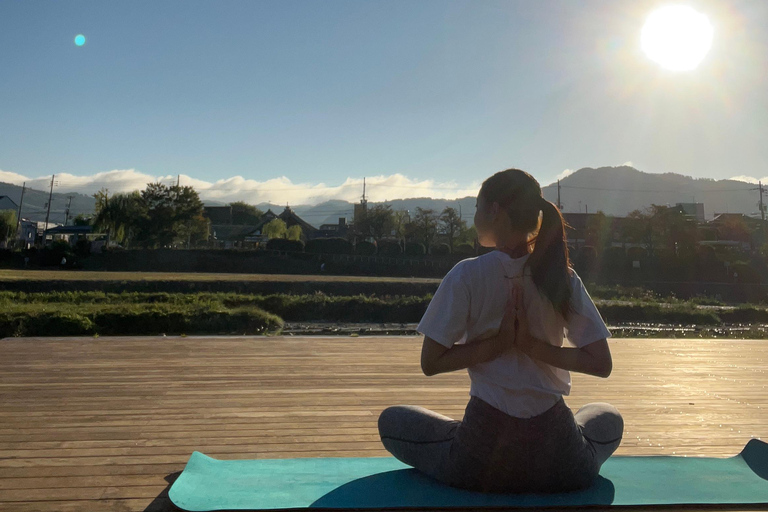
pixel 505 340
pixel 523 340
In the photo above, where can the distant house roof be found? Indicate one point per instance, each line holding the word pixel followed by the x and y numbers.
pixel 6 203
pixel 70 230
pixel 232 233
pixel 291 219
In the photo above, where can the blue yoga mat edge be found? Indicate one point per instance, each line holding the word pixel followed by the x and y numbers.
pixel 208 484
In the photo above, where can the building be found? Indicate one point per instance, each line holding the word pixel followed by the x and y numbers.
pixel 692 210
pixel 334 230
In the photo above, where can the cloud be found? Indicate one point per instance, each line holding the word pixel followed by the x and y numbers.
pixel 279 190
pixel 749 179
pixel 564 174
pixel 628 163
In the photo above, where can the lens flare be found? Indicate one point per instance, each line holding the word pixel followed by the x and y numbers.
pixel 79 39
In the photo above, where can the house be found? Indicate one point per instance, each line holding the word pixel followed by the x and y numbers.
pixel 692 210
pixel 230 236
pixel 28 232
pixel 334 230
pixel 290 218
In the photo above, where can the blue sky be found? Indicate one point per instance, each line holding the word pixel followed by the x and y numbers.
pixel 300 100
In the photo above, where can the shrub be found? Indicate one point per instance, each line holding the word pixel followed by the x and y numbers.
pixel 329 246
pixel 390 248
pixel 365 248
pixel 440 250
pixel 281 244
pixel 415 249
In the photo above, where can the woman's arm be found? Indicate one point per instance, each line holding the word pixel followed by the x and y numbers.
pixel 593 359
pixel 436 358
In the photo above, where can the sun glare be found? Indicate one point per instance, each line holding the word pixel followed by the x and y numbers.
pixel 677 37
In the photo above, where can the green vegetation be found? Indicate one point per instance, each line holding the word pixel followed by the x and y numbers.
pixel 77 313
pixel 137 313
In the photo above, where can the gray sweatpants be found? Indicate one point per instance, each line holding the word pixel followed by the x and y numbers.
pixel 491 451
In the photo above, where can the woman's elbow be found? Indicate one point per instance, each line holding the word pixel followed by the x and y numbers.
pixel 427 368
pixel 604 368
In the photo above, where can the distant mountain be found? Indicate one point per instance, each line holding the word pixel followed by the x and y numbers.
pixel 35 201
pixel 613 190
pixel 620 190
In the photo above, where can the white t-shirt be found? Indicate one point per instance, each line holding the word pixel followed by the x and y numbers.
pixel 469 305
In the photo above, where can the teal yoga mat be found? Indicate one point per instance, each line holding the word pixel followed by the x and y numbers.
pixel 383 482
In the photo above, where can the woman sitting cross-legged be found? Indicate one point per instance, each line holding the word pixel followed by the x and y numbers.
pixel 504 316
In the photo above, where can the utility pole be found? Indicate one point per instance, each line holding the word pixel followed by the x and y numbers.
pixel 66 215
pixel 178 180
pixel 21 202
pixel 48 214
pixel 559 206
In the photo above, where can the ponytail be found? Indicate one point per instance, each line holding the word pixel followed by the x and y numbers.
pixel 549 262
pixel 519 194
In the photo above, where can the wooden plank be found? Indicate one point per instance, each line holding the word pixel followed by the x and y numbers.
pixel 100 424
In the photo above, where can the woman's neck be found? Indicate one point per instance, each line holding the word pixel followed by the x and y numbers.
pixel 515 251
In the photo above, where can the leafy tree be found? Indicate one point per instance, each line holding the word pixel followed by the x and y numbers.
pixel 376 222
pixel 159 216
pixel 102 196
pixel 120 216
pixel 294 232
pixel 426 225
pixel 468 236
pixel 82 220
pixel 451 225
pixel 734 228
pixel 7 225
pixel 399 220
pixel 245 214
pixel 598 232
pixel 275 228
pixel 171 215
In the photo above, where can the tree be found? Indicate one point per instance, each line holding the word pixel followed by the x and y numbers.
pixel 102 196
pixel 426 225
pixel 82 220
pixel 294 232
pixel 468 236
pixel 598 232
pixel 399 220
pixel 245 214
pixel 121 217
pixel 275 228
pixel 376 222
pixel 452 225
pixel 7 225
pixel 171 215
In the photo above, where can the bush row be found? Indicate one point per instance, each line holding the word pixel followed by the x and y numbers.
pixel 134 319
pixel 71 313
pixel 391 248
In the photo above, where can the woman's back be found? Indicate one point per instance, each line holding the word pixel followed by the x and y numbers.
pixel 469 305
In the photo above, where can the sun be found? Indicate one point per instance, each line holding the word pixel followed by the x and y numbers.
pixel 677 37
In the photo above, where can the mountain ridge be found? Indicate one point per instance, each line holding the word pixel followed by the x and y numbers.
pixel 612 190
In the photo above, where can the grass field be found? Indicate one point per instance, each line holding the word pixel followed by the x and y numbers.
pixel 79 275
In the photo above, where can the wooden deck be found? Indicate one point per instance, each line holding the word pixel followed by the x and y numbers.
pixel 106 424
